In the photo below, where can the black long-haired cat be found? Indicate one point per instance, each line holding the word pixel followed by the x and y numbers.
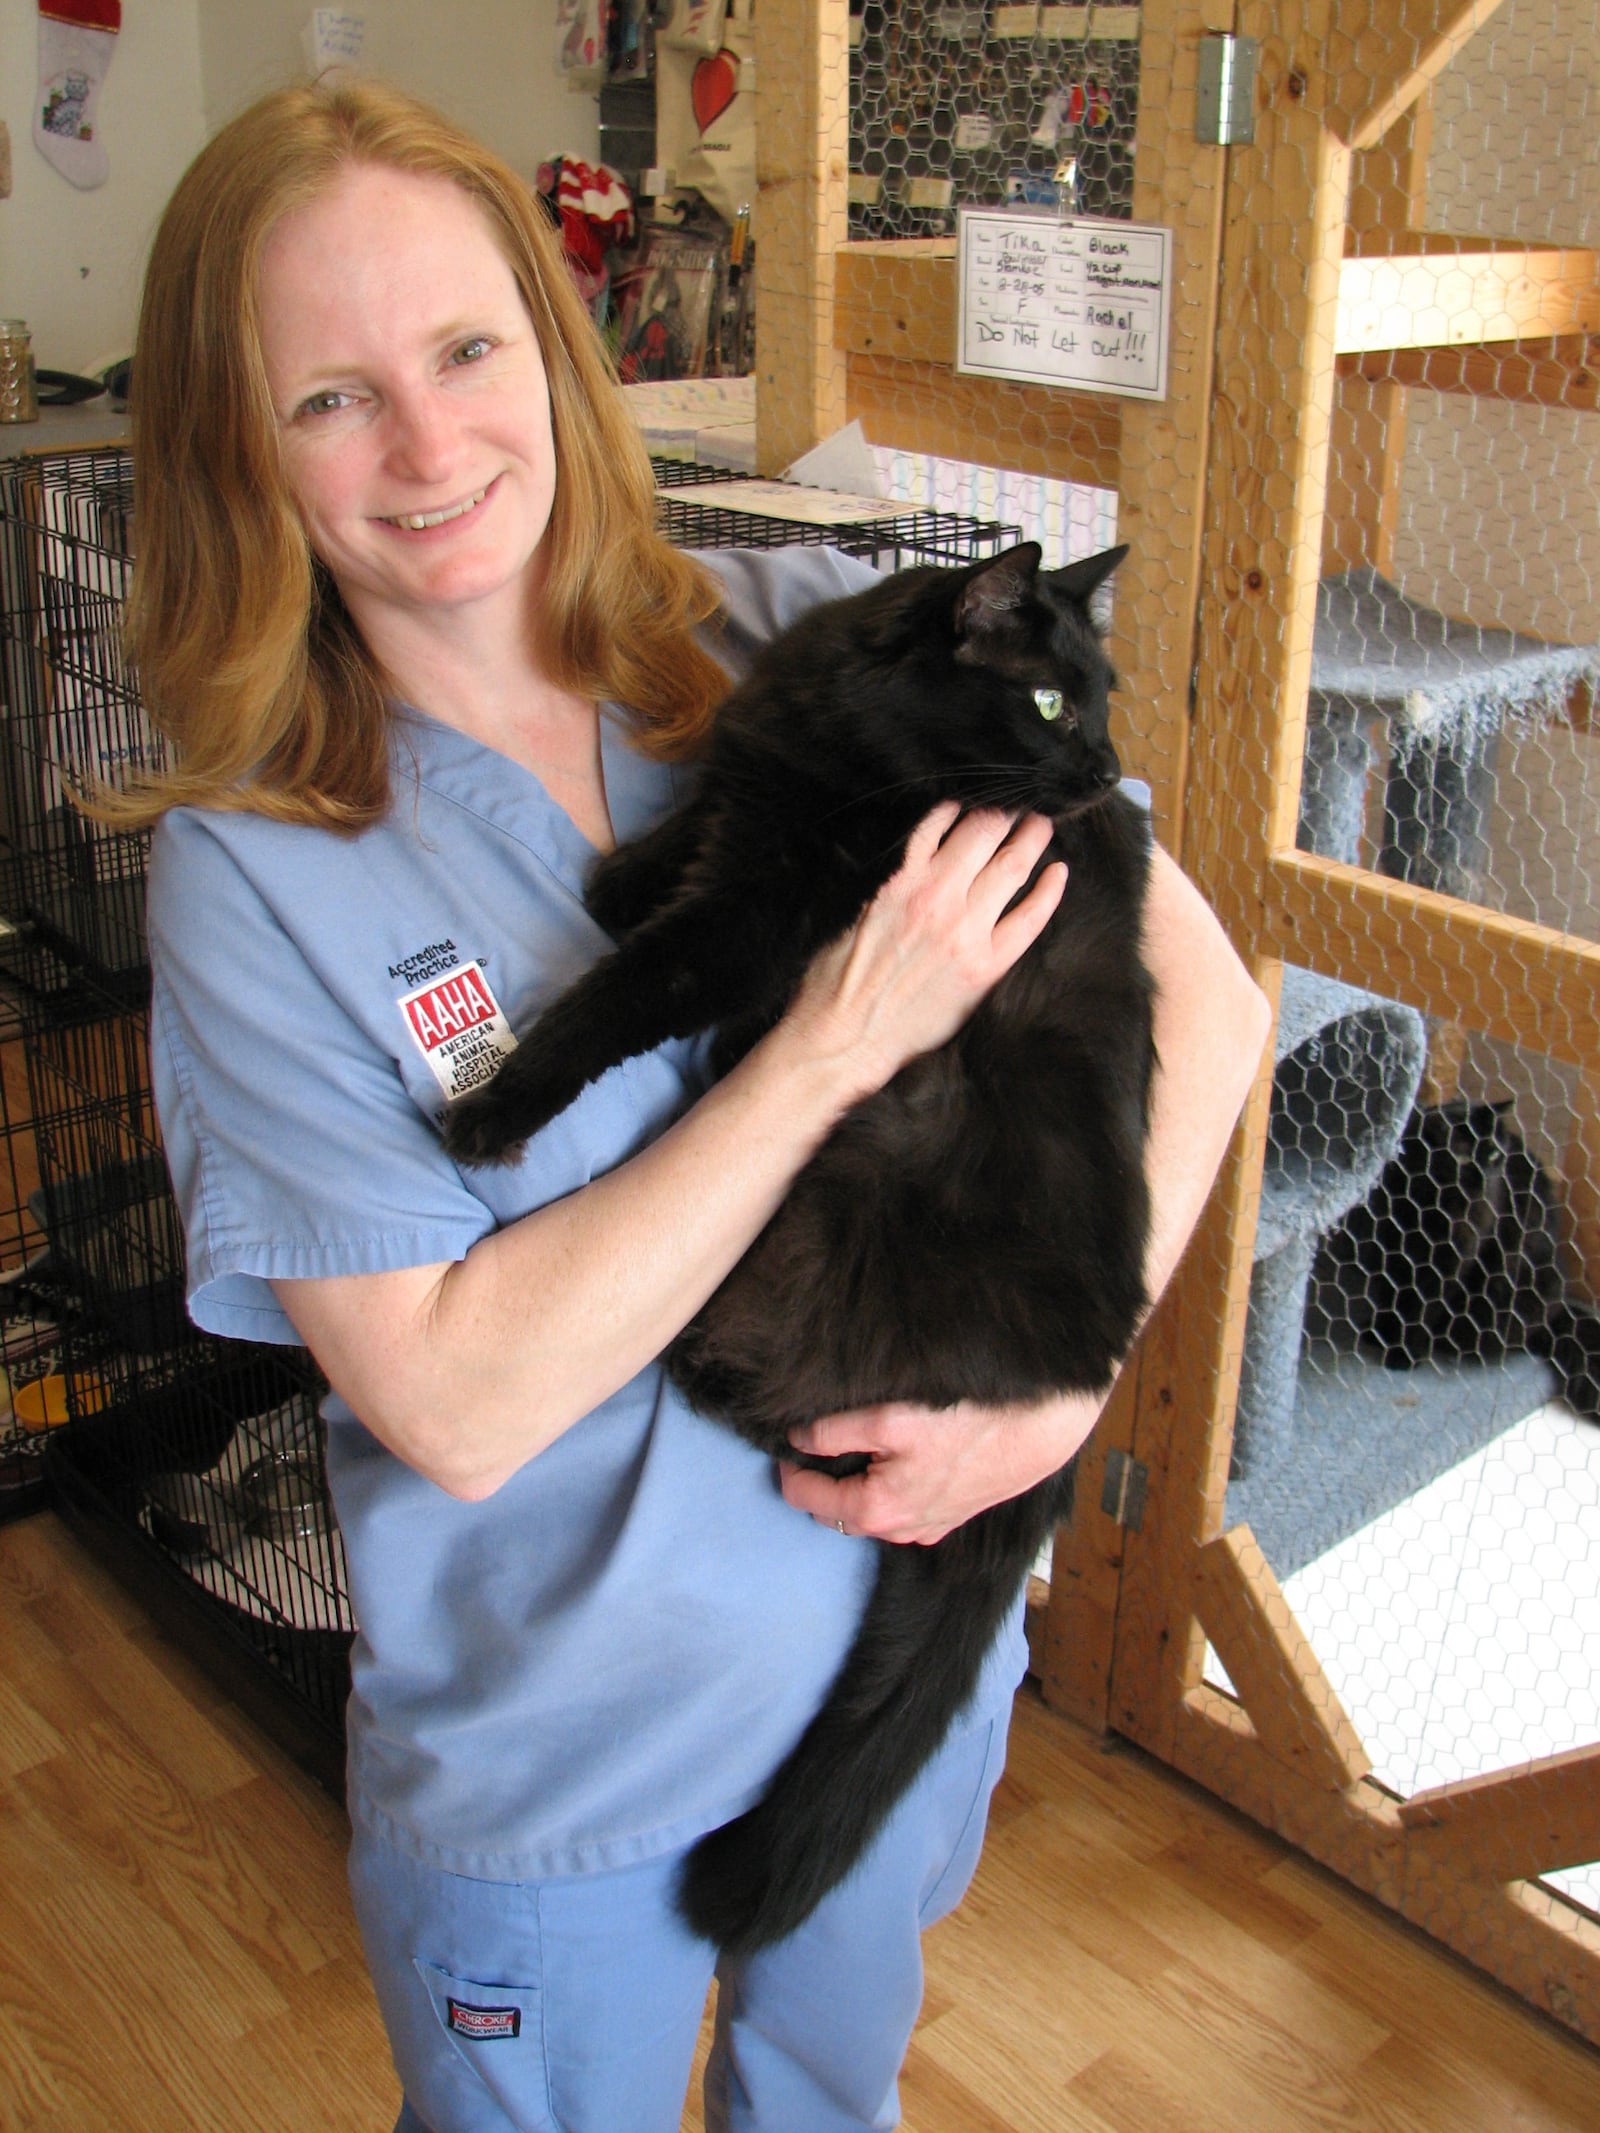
pixel 1457 1252
pixel 974 1231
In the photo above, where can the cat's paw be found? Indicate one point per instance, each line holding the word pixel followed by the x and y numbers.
pixel 483 1128
pixel 618 902
pixel 533 1086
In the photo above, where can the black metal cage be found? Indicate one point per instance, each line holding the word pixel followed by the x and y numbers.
pixel 196 1465
pixel 889 537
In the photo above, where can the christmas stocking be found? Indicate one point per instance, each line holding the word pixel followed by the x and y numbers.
pixel 76 41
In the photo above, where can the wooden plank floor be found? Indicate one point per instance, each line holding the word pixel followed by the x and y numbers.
pixel 176 1949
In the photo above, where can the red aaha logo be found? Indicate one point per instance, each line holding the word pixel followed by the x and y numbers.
pixel 456 1004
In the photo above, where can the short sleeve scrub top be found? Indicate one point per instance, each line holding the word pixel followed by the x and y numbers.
pixel 613 1652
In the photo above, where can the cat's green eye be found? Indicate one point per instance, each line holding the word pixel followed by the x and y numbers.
pixel 1049 702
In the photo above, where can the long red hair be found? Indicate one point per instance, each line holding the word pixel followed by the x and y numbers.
pixel 247 659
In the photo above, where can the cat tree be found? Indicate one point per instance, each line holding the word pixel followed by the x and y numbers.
pixel 1306 298
pixel 1411 703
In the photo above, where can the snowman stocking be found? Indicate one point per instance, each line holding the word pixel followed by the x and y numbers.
pixel 76 41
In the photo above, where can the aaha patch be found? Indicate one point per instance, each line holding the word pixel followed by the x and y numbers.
pixel 483 2024
pixel 459 1029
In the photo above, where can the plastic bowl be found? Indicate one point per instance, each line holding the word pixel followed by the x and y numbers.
pixel 43 1402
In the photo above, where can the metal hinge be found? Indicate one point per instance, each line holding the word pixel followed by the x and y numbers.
pixel 1225 102
pixel 1122 1493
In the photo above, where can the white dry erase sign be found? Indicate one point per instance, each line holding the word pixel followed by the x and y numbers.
pixel 1046 301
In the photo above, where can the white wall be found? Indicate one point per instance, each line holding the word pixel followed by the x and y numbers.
pixel 70 261
pixel 1514 127
pixel 1500 503
pixel 489 64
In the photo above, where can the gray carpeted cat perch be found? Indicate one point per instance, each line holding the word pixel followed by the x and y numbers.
pixel 1326 1440
pixel 1442 691
pixel 1346 1077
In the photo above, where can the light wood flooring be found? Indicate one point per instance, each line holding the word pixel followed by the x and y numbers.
pixel 176 1950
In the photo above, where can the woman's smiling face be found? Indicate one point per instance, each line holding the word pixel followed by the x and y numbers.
pixel 410 392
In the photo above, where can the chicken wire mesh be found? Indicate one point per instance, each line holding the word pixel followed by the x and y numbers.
pixel 1378 438
pixel 956 105
pixel 1416 1445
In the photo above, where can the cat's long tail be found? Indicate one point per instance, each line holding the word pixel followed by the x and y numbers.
pixel 932 1617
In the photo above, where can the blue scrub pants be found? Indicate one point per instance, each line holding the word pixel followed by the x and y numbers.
pixel 573 2005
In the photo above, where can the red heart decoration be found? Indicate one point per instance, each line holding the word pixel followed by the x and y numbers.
pixel 713 87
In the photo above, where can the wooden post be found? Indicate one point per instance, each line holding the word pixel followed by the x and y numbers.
pixel 1282 240
pixel 1292 1705
pixel 1178 182
pixel 799 219
pixel 1160 500
pixel 1512 1825
pixel 1388 191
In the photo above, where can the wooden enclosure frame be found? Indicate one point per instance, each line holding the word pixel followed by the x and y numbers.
pixel 1291 328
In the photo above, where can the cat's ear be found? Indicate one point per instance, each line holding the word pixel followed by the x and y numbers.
pixel 996 588
pixel 1083 579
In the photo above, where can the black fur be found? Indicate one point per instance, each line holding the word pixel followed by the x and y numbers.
pixel 1458 1253
pixel 976 1230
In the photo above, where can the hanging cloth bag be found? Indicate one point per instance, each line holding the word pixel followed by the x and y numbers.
pixel 706 116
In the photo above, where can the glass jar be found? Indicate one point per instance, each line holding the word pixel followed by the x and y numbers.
pixel 19 394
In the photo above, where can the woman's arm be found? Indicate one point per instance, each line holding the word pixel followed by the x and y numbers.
pixel 468 1369
pixel 934 1468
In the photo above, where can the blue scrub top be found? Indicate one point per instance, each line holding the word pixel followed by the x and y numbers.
pixel 612 1653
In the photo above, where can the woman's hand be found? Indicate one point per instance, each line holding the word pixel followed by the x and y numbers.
pixel 933 1468
pixel 935 938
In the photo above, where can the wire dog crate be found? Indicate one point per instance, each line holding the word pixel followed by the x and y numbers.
pixel 75 718
pixel 890 537
pixel 35 1305
pixel 193 1465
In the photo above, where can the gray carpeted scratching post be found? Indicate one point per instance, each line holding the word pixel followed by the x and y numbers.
pixel 1437 675
pixel 1348 1066
pixel 1326 1439
pixel 1333 782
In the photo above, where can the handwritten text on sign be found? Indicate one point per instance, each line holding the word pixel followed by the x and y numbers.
pixel 1080 303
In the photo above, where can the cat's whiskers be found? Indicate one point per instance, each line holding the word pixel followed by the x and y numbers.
pixel 1013 788
pixel 1010 791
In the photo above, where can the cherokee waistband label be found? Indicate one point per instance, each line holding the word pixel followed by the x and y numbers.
pixel 459 1028
pixel 481 2025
